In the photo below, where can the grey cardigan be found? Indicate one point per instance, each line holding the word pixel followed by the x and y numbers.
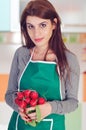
pixel 69 88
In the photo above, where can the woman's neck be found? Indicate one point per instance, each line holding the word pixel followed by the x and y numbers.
pixel 39 53
pixel 42 49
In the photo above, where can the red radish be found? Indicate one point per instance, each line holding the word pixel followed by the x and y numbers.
pixel 33 102
pixel 27 93
pixel 27 100
pixel 34 95
pixel 17 100
pixel 41 100
pixel 20 95
pixel 22 104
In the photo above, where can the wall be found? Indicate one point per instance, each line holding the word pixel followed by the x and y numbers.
pixel 11 40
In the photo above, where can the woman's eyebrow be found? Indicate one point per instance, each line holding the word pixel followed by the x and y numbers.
pixel 38 23
pixel 29 23
pixel 43 22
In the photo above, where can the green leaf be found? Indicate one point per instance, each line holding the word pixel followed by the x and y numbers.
pixel 32 123
pixel 38 114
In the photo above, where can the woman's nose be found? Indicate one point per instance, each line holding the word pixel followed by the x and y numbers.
pixel 37 32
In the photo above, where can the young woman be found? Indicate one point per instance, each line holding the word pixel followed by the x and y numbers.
pixel 43 64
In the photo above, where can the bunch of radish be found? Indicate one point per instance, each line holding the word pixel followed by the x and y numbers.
pixel 30 98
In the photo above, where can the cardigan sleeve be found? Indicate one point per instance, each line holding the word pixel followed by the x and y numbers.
pixel 13 83
pixel 71 85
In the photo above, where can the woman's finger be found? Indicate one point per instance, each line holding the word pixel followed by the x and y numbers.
pixel 33 116
pixel 30 110
pixel 23 116
pixel 20 109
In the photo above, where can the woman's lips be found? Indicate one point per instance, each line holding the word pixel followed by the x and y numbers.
pixel 38 39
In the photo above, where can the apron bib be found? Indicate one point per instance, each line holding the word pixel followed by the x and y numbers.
pixel 42 77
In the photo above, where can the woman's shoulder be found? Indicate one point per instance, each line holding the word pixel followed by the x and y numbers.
pixel 23 50
pixel 72 59
pixel 70 55
pixel 22 53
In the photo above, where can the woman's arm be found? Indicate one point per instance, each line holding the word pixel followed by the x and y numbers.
pixel 13 83
pixel 71 85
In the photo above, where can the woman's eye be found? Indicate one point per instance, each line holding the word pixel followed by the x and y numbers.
pixel 29 26
pixel 43 25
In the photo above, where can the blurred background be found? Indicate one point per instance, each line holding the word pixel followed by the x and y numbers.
pixel 73 17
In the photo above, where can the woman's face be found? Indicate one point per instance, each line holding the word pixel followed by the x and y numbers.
pixel 40 30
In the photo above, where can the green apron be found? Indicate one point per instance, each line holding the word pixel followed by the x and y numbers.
pixel 42 77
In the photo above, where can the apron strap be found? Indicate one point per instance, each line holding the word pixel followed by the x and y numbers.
pixel 32 54
pixel 24 70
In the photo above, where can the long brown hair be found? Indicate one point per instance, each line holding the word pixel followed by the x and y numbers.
pixel 44 9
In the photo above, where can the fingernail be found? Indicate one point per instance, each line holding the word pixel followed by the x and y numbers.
pixel 30 120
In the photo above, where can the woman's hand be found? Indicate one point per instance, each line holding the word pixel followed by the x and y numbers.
pixel 45 110
pixel 31 113
pixel 23 115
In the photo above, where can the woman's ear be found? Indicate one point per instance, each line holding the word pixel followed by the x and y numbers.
pixel 55 20
pixel 54 23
